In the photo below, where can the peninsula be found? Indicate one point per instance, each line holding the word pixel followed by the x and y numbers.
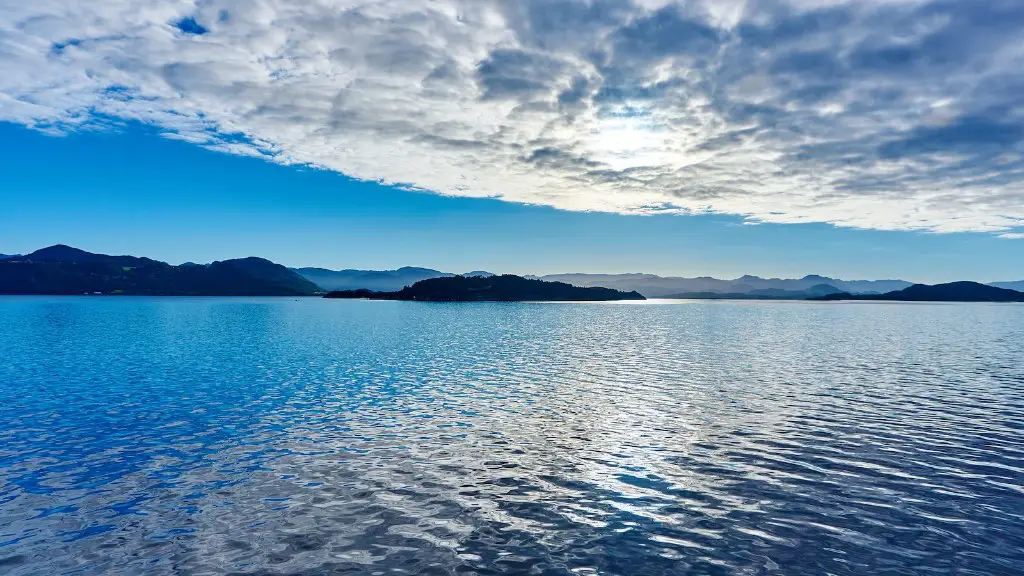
pixel 505 288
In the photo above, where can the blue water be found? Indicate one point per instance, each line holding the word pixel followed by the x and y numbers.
pixel 282 436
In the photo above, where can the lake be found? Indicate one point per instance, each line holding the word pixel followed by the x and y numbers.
pixel 284 436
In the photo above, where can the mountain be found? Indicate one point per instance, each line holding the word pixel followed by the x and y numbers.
pixel 505 288
pixel 654 286
pixel 950 292
pixel 62 269
pixel 63 253
pixel 376 280
pixel 1018 285
pixel 262 270
pixel 815 291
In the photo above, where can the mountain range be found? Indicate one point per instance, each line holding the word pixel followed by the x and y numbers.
pixel 815 291
pixel 504 288
pixel 375 280
pixel 62 269
pixel 650 285
pixel 669 287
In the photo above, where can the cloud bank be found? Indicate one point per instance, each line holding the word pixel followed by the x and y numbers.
pixel 895 114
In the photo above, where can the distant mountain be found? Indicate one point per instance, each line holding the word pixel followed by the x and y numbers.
pixel 1018 285
pixel 815 291
pixel 505 288
pixel 654 286
pixel 376 280
pixel 62 269
pixel 950 292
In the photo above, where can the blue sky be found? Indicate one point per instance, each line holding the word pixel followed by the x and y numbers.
pixel 130 191
pixel 854 138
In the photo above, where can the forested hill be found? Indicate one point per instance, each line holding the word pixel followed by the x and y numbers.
pixel 65 270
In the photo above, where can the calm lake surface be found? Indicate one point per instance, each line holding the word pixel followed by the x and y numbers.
pixel 282 436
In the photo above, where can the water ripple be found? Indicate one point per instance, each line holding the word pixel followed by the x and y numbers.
pixel 273 436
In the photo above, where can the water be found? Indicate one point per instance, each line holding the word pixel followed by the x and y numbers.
pixel 281 436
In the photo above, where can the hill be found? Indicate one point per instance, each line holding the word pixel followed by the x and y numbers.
pixel 62 269
pixel 949 292
pixel 505 288
pixel 1017 285
pixel 763 294
pixel 376 280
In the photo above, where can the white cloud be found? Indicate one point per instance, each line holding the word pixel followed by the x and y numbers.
pixel 871 114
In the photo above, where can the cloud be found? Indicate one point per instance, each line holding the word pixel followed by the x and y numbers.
pixel 883 114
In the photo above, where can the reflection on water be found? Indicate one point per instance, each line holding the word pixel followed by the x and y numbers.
pixel 278 436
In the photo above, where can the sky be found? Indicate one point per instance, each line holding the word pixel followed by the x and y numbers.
pixel 854 139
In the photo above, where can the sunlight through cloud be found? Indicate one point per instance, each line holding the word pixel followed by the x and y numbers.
pixel 897 115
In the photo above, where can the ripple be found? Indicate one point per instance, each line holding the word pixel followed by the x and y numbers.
pixel 264 436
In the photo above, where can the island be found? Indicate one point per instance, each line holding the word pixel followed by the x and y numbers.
pixel 504 288
pixel 949 292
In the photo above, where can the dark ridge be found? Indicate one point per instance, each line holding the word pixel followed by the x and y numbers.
pixel 190 26
pixel 949 292
pixel 61 252
pixel 65 253
pixel 505 288
pixel 762 294
pixel 62 269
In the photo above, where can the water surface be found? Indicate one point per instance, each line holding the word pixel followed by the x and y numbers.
pixel 281 436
